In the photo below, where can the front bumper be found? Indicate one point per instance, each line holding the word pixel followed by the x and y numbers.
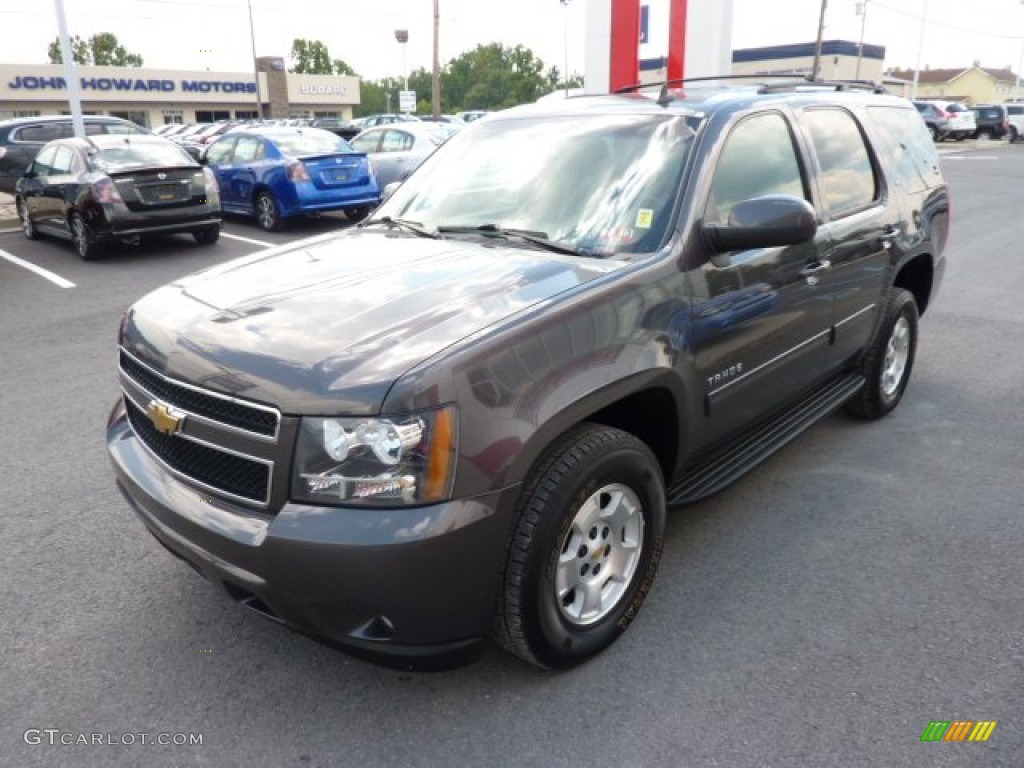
pixel 398 585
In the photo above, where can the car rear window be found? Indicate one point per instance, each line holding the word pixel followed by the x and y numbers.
pixel 311 142
pixel 128 156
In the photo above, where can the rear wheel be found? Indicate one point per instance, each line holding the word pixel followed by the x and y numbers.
pixel 27 225
pixel 82 238
pixel 585 549
pixel 356 212
pixel 935 132
pixel 983 134
pixel 268 213
pixel 1013 134
pixel 207 235
pixel 889 359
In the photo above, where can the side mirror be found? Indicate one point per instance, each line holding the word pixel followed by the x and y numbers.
pixel 389 190
pixel 763 222
pixel 29 173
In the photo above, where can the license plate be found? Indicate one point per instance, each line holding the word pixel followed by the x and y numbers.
pixel 339 176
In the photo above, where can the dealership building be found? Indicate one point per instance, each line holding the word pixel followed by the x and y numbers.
pixel 152 97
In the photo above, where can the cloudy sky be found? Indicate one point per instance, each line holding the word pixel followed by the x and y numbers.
pixel 214 34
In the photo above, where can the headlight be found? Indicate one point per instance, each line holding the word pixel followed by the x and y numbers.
pixel 376 461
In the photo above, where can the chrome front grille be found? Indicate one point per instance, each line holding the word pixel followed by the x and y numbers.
pixel 222 444
pixel 214 406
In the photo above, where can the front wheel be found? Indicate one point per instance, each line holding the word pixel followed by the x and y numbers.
pixel 27 225
pixel 889 360
pixel 585 549
pixel 268 213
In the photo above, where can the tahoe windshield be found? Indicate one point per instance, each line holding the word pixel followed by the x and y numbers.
pixel 598 185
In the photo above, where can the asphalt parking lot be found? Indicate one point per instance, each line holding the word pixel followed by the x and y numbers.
pixel 820 612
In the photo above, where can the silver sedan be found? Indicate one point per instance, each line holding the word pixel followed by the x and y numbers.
pixel 397 149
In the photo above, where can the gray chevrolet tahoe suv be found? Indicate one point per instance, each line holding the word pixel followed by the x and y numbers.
pixel 467 417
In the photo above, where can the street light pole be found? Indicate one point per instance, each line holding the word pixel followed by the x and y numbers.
pixel 435 80
pixel 862 8
pixel 255 64
pixel 565 44
pixel 402 36
pixel 70 73
pixel 920 48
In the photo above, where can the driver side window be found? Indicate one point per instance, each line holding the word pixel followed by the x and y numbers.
pixel 758 159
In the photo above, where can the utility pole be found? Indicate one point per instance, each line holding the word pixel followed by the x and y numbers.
pixel 255 65
pixel 435 80
pixel 816 68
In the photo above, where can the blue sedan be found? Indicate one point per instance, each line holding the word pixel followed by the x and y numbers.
pixel 276 173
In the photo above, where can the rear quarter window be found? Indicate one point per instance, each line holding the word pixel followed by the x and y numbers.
pixel 906 145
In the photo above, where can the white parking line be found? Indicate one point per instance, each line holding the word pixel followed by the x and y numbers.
pixel 264 243
pixel 53 278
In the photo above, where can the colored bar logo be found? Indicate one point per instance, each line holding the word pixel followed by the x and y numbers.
pixel 959 730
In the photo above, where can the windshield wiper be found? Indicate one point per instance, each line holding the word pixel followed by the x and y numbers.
pixel 529 235
pixel 409 226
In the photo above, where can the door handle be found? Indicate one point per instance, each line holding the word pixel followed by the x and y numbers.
pixel 815 268
pixel 812 272
pixel 887 235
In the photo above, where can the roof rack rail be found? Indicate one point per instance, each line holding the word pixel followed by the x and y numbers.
pixel 835 85
pixel 790 83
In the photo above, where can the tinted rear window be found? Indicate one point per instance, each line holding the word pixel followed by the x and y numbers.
pixel 129 156
pixel 312 142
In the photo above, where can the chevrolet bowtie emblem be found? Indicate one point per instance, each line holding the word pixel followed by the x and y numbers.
pixel 165 418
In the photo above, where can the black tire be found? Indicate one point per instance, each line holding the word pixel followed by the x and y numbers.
pixel 268 212
pixel 984 135
pixel 935 133
pixel 541 615
pixel 207 235
pixel 1013 135
pixel 889 360
pixel 27 225
pixel 82 238
pixel 356 213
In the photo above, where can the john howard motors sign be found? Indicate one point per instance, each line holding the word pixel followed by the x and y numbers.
pixel 35 83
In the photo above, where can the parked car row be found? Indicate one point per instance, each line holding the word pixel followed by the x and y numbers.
pixel 107 187
pixel 954 120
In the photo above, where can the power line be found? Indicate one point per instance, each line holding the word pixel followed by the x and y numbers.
pixel 932 23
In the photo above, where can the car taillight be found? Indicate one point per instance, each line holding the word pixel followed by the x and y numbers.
pixel 3 151
pixel 212 188
pixel 297 172
pixel 105 191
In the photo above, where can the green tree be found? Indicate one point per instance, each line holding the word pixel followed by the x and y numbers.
pixel 79 51
pixel 341 68
pixel 102 49
pixel 311 57
pixel 488 77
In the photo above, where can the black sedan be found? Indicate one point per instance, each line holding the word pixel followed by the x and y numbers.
pixel 104 188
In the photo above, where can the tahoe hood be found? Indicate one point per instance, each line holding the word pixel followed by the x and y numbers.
pixel 327 325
